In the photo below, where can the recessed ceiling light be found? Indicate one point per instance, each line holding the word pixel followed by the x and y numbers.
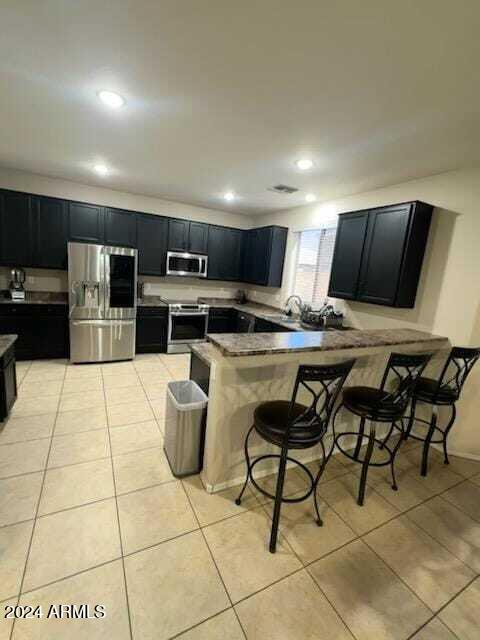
pixel 101 169
pixel 111 99
pixel 229 196
pixel 310 197
pixel 304 164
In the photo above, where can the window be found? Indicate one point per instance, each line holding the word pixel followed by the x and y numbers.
pixel 314 261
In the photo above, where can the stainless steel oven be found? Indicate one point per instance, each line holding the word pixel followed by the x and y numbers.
pixel 186 264
pixel 187 324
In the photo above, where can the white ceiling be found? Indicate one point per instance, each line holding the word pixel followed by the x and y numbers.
pixel 227 95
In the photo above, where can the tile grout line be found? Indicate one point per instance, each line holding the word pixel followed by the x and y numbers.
pixel 117 510
pixel 213 560
pixel 27 556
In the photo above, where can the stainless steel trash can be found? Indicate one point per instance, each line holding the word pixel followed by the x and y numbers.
pixel 184 427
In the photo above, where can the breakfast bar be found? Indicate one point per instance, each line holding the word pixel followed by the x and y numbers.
pixel 247 369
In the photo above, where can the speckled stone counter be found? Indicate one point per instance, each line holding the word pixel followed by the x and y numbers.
pixel 267 370
pixel 36 297
pixel 205 351
pixel 253 344
pixel 6 342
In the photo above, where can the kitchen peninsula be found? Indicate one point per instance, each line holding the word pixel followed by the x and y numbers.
pixel 246 369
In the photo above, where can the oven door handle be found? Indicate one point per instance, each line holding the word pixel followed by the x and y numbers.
pixel 188 313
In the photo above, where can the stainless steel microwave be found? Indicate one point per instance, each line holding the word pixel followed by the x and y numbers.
pixel 193 265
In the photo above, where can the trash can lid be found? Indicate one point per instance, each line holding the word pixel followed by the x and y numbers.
pixel 186 395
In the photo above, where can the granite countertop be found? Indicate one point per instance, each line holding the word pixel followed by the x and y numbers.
pixel 37 297
pixel 6 342
pixel 253 344
pixel 204 350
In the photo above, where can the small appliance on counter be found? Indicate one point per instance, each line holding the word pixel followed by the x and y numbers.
pixel 17 291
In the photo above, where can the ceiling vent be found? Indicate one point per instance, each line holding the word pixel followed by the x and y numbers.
pixel 283 188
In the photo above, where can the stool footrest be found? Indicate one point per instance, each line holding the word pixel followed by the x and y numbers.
pixel 380 443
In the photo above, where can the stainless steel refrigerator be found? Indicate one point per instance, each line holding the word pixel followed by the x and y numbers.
pixel 102 285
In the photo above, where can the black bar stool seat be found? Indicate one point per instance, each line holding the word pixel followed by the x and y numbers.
pixel 427 390
pixel 371 403
pixel 445 391
pixel 386 404
pixel 289 424
pixel 271 418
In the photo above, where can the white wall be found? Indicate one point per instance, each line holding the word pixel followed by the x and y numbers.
pixel 448 299
pixel 49 280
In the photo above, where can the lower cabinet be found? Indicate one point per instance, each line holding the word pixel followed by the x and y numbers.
pixel 8 382
pixel 152 330
pixel 222 320
pixel 265 326
pixel 42 329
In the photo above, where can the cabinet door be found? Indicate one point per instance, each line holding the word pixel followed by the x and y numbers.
pixel 198 237
pixel 151 334
pixel 120 228
pixel 248 255
pixel 86 222
pixel 384 248
pixel 216 253
pixel 261 255
pixel 347 255
pixel 15 229
pixel 178 231
pixel 232 254
pixel 50 233
pixel 152 235
pixel 8 390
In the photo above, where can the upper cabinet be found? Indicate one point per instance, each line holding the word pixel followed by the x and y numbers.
pixel 86 222
pixel 184 235
pixel 347 255
pixel 224 253
pixel 263 255
pixel 379 253
pixel 35 231
pixel 120 228
pixel 50 232
pixel 152 237
pixel 15 229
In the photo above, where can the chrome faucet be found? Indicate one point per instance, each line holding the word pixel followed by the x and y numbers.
pixel 301 307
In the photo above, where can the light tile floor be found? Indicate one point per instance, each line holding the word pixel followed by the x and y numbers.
pixel 91 514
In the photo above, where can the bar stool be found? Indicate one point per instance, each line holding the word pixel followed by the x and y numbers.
pixel 290 425
pixel 442 392
pixel 379 405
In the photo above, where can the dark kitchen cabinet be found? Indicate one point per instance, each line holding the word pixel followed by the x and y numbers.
pixel 152 237
pixel 86 222
pixel 15 229
pixel 184 235
pixel 120 228
pixel 347 255
pixel 224 253
pixel 152 329
pixel 266 326
pixel 222 320
pixel 245 322
pixel 198 237
pixel 8 382
pixel 178 231
pixel 380 259
pixel 263 255
pixel 42 329
pixel 50 232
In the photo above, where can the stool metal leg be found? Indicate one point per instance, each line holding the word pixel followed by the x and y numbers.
pixel 428 439
pixel 358 446
pixel 411 418
pixel 366 462
pixel 392 462
pixel 247 462
pixel 445 433
pixel 315 483
pixel 278 499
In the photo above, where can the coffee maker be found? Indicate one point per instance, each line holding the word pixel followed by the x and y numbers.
pixel 17 292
